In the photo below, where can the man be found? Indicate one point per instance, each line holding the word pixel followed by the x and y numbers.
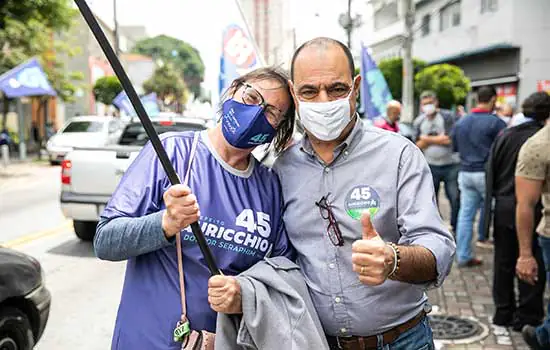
pixel 500 187
pixel 433 129
pixel 360 211
pixel 505 112
pixel 472 138
pixel 532 183
pixel 389 121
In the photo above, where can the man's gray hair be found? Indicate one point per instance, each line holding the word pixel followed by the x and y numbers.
pixel 428 94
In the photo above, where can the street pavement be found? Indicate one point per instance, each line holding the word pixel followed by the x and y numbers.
pixel 86 291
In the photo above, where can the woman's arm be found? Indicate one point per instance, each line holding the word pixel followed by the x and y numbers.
pixel 124 237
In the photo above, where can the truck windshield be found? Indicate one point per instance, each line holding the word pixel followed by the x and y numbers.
pixel 134 134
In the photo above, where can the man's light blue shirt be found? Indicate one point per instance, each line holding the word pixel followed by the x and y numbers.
pixel 377 171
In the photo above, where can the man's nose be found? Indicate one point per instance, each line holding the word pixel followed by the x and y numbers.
pixel 323 96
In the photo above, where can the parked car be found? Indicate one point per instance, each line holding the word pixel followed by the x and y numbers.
pixel 89 176
pixel 24 300
pixel 87 131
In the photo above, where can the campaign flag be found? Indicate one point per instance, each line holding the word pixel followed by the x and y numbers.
pixel 238 56
pixel 27 79
pixel 375 93
pixel 149 103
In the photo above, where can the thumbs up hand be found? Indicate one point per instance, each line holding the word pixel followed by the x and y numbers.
pixel 372 258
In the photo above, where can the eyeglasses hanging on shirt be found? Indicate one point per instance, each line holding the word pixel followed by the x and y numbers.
pixel 333 230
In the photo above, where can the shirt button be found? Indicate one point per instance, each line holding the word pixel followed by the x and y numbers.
pixel 337 299
pixel 346 153
pixel 343 330
pixel 331 265
pixel 327 169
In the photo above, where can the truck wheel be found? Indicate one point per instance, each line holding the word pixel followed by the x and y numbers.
pixel 15 330
pixel 85 230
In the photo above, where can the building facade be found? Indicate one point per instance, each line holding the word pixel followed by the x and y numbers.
pixel 270 25
pixel 495 42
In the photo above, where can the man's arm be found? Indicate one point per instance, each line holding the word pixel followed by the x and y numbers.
pixel 530 175
pixel 426 246
pixel 528 194
pixel 417 265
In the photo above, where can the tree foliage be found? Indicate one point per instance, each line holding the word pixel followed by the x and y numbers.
pixel 392 69
pixel 167 84
pixel 184 58
pixel 27 29
pixel 447 81
pixel 106 89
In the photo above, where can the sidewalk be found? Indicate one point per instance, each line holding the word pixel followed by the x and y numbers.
pixel 20 171
pixel 467 292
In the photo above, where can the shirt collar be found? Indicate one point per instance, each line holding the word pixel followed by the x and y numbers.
pixel 308 148
pixel 481 110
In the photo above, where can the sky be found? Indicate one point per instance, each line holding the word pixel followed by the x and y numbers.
pixel 201 22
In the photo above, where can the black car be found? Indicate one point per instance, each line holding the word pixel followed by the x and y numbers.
pixel 24 301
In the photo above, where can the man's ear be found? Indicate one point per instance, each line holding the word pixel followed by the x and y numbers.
pixel 357 82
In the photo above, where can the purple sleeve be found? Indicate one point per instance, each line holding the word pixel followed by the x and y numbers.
pixel 131 223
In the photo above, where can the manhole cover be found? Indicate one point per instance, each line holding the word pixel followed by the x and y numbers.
pixel 453 327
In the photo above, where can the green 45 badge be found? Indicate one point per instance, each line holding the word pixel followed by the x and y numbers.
pixel 362 198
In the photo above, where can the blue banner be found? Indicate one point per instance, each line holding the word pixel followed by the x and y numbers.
pixel 149 103
pixel 375 93
pixel 238 56
pixel 27 79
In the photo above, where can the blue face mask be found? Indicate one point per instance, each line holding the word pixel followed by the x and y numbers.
pixel 245 126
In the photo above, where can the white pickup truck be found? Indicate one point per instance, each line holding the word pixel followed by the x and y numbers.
pixel 89 176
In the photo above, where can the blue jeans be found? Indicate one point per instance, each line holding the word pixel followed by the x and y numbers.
pixel 419 337
pixel 543 331
pixel 472 197
pixel 449 175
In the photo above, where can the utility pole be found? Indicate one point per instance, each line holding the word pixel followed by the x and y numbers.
pixel 115 30
pixel 349 23
pixel 408 69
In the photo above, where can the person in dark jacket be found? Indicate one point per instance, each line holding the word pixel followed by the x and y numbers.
pixel 473 137
pixel 500 186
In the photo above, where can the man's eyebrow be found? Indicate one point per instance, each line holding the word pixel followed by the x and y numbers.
pixel 307 86
pixel 339 83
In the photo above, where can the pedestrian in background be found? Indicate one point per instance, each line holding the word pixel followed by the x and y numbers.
pixel 433 129
pixel 473 137
pixel 532 183
pixel 505 112
pixel 390 120
pixel 501 167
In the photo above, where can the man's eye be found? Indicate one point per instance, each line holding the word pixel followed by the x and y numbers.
pixel 309 93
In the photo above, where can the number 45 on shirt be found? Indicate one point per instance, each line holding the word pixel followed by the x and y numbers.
pixel 261 222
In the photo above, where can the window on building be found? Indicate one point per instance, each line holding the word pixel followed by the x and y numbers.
pixel 489 6
pixel 449 16
pixel 425 30
pixel 386 16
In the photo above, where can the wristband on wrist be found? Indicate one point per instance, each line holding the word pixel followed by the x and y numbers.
pixel 396 260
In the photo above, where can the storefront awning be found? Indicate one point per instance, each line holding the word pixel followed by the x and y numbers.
pixel 494 81
pixel 476 52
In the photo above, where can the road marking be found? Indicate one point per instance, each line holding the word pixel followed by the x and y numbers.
pixel 37 235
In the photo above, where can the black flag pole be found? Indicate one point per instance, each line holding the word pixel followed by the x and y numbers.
pixel 147 125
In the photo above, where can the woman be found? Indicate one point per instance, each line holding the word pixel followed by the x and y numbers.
pixel 240 214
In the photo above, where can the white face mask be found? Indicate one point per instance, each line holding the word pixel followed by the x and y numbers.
pixel 428 109
pixel 325 120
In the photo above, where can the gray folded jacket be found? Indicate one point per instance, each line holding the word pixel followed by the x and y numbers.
pixel 277 311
